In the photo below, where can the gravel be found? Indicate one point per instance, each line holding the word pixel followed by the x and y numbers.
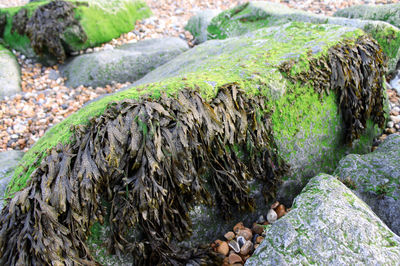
pixel 45 100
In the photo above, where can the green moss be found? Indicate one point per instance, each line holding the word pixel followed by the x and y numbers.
pixel 252 64
pixel 100 26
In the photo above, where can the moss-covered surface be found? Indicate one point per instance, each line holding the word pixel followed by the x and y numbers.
pixel 258 70
pixel 236 65
pixel 254 15
pixel 328 225
pixel 101 21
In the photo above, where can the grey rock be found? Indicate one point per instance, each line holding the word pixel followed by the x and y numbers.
pixel 375 177
pixel 8 162
pixel 257 14
pixel 53 75
pixel 387 13
pixel 197 25
pixel 328 225
pixel 10 74
pixel 127 63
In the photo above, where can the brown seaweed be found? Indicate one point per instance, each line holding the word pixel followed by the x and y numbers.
pixel 148 158
pixel 358 83
pixel 46 26
pixel 3 23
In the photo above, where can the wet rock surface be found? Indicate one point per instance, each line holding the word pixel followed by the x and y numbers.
pixel 328 224
pixel 10 74
pixel 126 63
pixel 375 179
pixel 8 162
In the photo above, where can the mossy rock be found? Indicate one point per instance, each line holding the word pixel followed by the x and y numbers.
pixel 328 225
pixel 207 129
pixel 375 177
pixel 71 26
pixel 258 14
pixel 389 13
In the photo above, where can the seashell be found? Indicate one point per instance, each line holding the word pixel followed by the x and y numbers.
pixel 241 240
pixel 234 245
pixel 272 216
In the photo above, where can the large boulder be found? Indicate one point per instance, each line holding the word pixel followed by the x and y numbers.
pixel 10 74
pixel 8 161
pixel 375 179
pixel 389 13
pixel 197 25
pixel 257 14
pixel 328 225
pixel 208 135
pixel 53 29
pixel 127 63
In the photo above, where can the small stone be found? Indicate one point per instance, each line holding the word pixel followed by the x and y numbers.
pixel 275 204
pixel 234 258
pixel 234 245
pixel 390 130
pixel 247 248
pixel 238 226
pixel 261 219
pixel 259 239
pixel 257 229
pixel 256 246
pixel 390 124
pixel 246 233
pixel 222 247
pixel 272 216
pixel 108 47
pixel 229 236
pixel 280 210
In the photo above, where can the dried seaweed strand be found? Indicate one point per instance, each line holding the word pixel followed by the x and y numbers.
pixel 149 158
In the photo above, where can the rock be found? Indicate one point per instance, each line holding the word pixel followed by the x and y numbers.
pixel 197 24
pixel 10 74
pixel 254 15
pixel 127 63
pixel 259 239
pixel 280 211
pixel 87 30
pixel 8 162
pixel 234 258
pixel 246 233
pixel 272 216
pixel 229 236
pixel 389 13
pixel 257 229
pixel 374 178
pixel 237 227
pixel 222 247
pixel 328 225
pixel 246 248
pixel 306 133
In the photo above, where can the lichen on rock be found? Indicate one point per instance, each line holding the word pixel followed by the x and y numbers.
pixel 328 225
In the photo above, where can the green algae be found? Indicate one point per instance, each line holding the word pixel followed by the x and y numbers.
pixel 99 23
pixel 252 68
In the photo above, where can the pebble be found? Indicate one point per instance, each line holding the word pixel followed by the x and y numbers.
pixel 229 236
pixel 246 233
pixel 247 248
pixel 272 216
pixel 280 210
pixel 257 229
pixel 222 247
pixel 234 258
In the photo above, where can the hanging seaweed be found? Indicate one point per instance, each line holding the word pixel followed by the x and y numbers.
pixel 46 26
pixel 3 22
pixel 358 83
pixel 148 158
